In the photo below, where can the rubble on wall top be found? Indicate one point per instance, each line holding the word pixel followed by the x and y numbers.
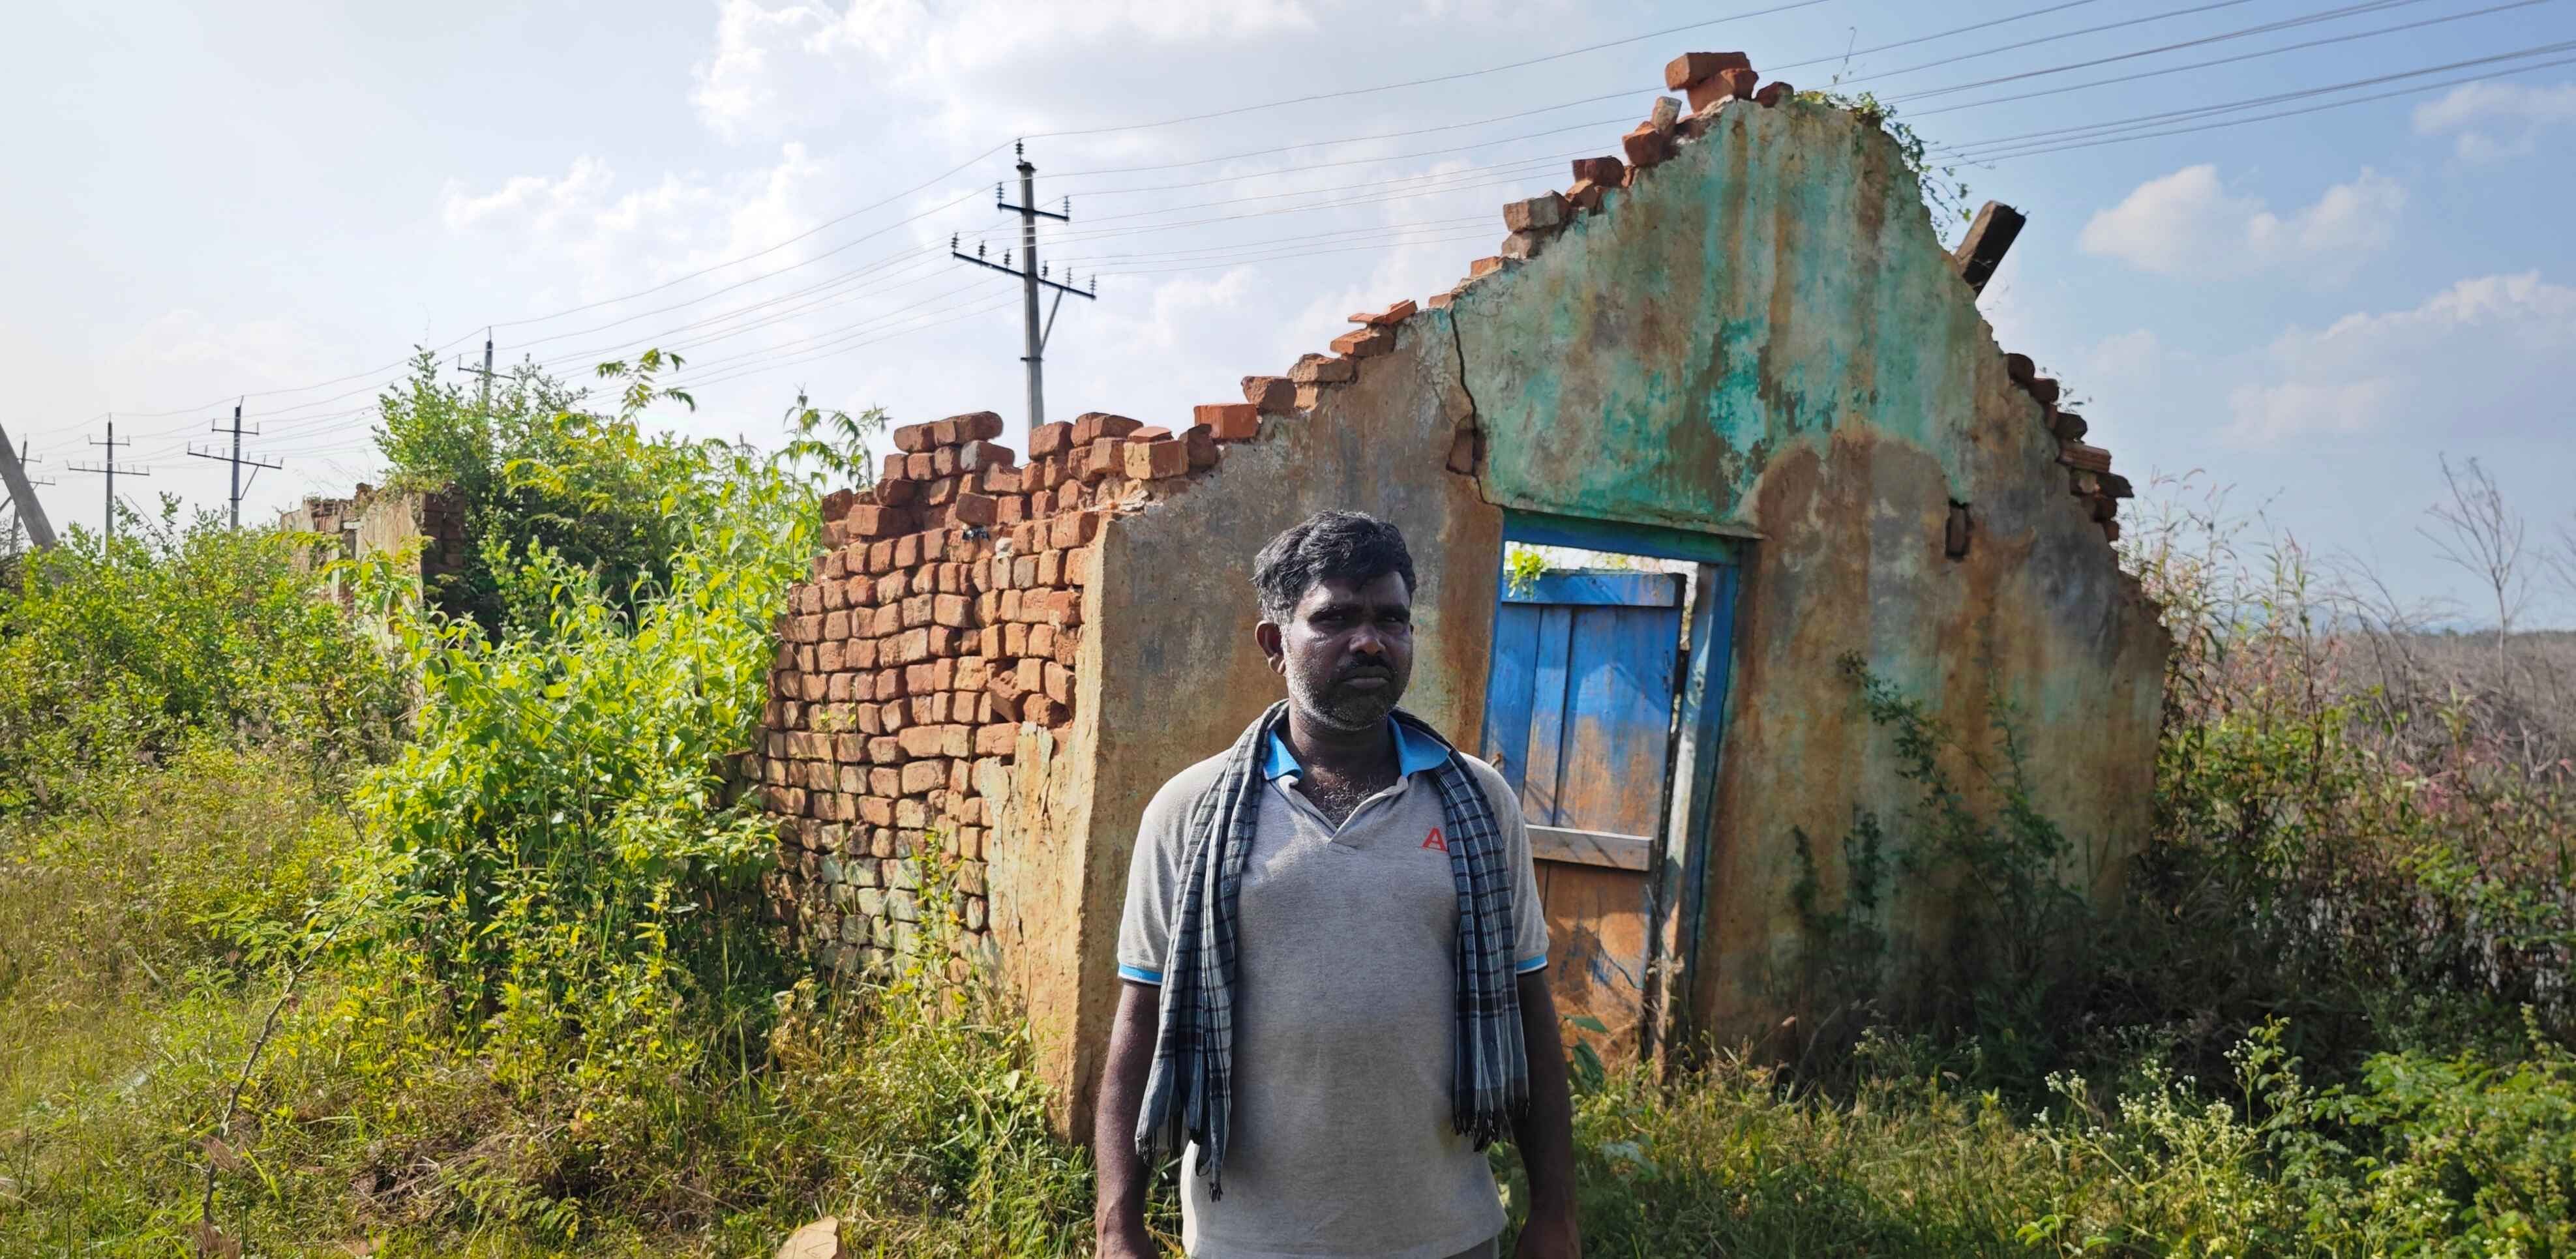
pixel 950 472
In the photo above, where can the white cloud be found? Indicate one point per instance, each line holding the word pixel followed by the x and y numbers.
pixel 2490 121
pixel 613 236
pixel 2187 223
pixel 2484 355
pixel 800 64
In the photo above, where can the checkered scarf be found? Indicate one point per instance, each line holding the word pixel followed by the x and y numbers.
pixel 1190 1093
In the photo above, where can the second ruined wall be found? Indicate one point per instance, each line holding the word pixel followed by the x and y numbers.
pixel 1762 337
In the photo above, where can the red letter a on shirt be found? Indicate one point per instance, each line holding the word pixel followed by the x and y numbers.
pixel 1433 840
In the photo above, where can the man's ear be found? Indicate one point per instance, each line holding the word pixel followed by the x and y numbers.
pixel 1267 634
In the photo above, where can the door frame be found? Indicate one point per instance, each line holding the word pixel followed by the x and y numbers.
pixel 1676 900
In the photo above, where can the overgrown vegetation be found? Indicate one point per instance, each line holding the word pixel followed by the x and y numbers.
pixel 438 934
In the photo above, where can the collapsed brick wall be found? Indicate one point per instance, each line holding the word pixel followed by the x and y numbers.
pixel 380 521
pixel 944 617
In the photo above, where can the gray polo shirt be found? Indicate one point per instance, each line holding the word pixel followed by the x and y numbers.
pixel 1345 1008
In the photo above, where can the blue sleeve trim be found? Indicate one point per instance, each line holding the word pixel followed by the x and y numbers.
pixel 1529 964
pixel 1141 975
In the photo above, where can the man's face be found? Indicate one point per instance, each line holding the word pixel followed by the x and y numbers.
pixel 1347 650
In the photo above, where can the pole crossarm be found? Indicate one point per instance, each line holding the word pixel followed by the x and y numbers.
pixel 1016 273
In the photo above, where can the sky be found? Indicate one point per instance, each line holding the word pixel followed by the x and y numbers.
pixel 2306 313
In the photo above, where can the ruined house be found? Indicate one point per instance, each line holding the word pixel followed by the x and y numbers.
pixel 1738 348
pixel 427 527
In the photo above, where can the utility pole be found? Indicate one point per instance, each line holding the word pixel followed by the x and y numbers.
pixel 1032 277
pixel 110 469
pixel 22 495
pixel 485 371
pixel 235 459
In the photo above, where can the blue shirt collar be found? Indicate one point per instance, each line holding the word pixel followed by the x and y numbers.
pixel 1414 753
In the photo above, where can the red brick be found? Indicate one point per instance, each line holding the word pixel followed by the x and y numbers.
pixel 977 426
pixel 1604 171
pixel 1695 67
pixel 1364 343
pixel 1091 426
pixel 1231 421
pixel 976 456
pixel 1076 528
pixel 1316 369
pixel 1645 145
pixel 896 493
pixel 874 522
pixel 1724 85
pixel 952 610
pixel 1538 214
pixel 1521 246
pixel 1024 570
pixel 1155 460
pixel 1201 443
pixel 1270 395
pixel 1773 92
pixel 1102 458
pixel 1149 433
pixel 972 509
pixel 919 467
pixel 1388 317
pixel 943 462
pixel 1483 267
pixel 1049 439
pixel 924 776
pixel 912 438
pixel 943 433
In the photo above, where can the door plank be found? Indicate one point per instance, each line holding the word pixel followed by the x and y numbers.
pixel 1596 928
pixel 1548 700
pixel 1508 689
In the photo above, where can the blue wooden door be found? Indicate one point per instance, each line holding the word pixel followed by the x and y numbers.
pixel 1579 717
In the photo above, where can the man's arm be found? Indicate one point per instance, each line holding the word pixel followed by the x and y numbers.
pixel 1118 1219
pixel 1546 1133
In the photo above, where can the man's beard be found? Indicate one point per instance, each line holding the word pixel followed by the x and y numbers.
pixel 1338 709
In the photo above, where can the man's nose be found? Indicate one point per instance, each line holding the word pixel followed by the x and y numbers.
pixel 1367 641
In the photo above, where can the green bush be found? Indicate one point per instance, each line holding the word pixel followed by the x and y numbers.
pixel 116 654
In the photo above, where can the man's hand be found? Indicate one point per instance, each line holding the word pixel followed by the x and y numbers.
pixel 1127 1241
pixel 1548 1235
pixel 1118 1219
pixel 1546 1134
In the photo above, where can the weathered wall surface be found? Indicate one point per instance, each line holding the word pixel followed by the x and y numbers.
pixel 1761 336
pixel 1185 676
pixel 382 522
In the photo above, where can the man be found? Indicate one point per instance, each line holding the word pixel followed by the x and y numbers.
pixel 1332 958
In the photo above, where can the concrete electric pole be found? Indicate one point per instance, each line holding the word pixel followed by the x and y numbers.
pixel 1032 278
pixel 110 469
pixel 484 371
pixel 236 460
pixel 22 494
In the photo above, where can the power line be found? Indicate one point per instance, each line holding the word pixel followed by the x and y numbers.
pixel 1968 151
pixel 2370 6
pixel 2095 141
pixel 2220 61
pixel 1439 78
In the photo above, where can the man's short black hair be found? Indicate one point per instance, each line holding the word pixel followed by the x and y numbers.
pixel 1330 545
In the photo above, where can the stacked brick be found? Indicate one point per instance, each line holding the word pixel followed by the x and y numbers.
pixel 943 620
pixel 1711 82
pixel 2088 468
